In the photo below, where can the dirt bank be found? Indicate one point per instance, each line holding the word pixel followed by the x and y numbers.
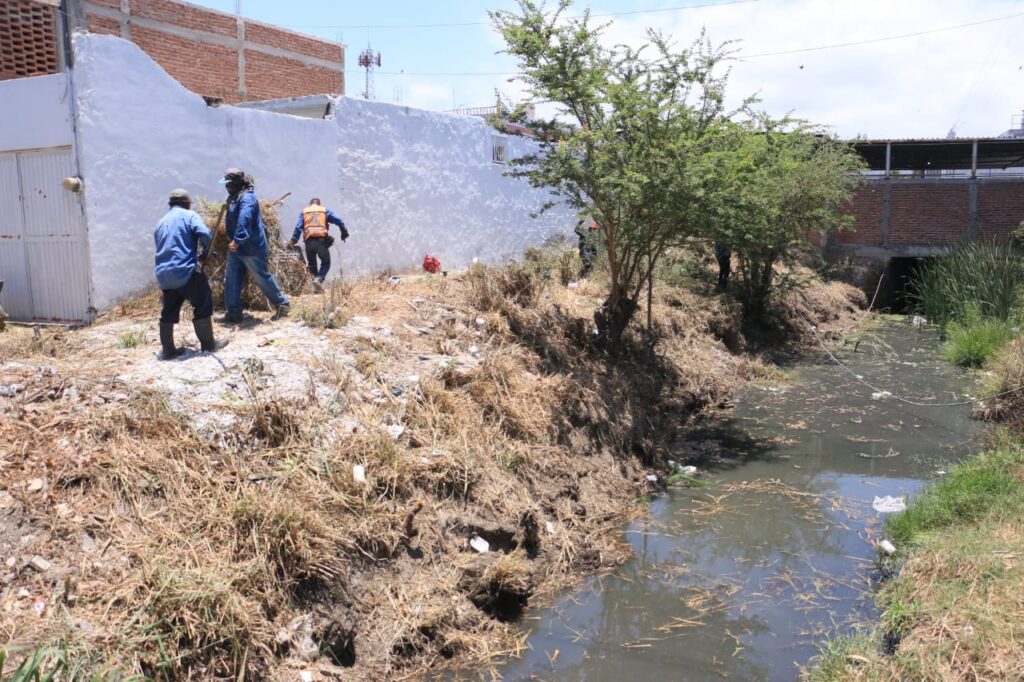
pixel 310 498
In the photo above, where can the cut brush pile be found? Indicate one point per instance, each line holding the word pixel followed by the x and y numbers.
pixel 370 492
pixel 290 272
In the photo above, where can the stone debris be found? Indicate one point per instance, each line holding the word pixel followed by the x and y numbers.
pixel 40 564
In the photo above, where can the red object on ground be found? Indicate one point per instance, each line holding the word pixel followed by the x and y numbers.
pixel 431 264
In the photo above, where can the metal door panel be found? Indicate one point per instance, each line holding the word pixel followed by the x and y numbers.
pixel 50 210
pixel 59 269
pixel 16 298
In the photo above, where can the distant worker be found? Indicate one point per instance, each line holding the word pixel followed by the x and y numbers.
pixel 724 257
pixel 182 242
pixel 313 226
pixel 587 246
pixel 247 250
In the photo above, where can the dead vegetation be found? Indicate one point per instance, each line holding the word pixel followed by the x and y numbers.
pixel 290 272
pixel 341 529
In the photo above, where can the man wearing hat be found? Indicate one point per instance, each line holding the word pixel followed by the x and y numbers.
pixel 182 240
pixel 247 251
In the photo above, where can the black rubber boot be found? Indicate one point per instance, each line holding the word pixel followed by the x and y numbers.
pixel 168 351
pixel 204 331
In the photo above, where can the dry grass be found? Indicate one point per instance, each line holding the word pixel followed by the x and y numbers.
pixel 291 273
pixel 186 556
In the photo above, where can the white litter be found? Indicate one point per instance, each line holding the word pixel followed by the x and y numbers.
pixel 889 504
pixel 881 395
pixel 359 473
pixel 395 430
pixel 413 378
pixel 652 478
pixel 688 470
pixel 306 676
pixel 480 321
pixel 940 472
pixel 887 547
pixel 549 527
pixel 572 285
pixel 479 544
pixel 473 350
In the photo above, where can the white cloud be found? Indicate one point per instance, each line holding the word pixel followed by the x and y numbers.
pixel 909 87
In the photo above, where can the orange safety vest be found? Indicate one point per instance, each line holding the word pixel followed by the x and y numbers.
pixel 314 222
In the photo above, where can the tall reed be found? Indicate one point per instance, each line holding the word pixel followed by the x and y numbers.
pixel 982 276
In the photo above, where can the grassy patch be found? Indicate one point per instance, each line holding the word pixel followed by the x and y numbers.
pixel 133 338
pixel 955 607
pixel 983 276
pixel 971 343
pixel 968 492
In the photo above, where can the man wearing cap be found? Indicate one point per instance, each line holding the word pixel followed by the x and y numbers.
pixel 247 250
pixel 312 226
pixel 182 240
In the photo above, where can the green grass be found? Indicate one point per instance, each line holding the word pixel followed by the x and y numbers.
pixel 972 342
pixel 132 338
pixel 970 491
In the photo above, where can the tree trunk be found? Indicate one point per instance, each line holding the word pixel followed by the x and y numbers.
pixel 612 318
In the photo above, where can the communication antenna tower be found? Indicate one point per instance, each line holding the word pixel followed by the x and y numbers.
pixel 369 60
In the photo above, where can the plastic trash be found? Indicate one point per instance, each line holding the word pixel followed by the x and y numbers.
pixel 688 470
pixel 359 473
pixel 39 606
pixel 473 350
pixel 479 544
pixel 549 527
pixel 480 321
pixel 652 478
pixel 395 431
pixel 881 395
pixel 887 547
pixel 889 504
pixel 940 472
pixel 306 676
pixel 394 279
pixel 572 285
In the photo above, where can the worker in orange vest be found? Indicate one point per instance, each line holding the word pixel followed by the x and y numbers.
pixel 312 226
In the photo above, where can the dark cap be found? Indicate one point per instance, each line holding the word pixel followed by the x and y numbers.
pixel 232 174
pixel 179 195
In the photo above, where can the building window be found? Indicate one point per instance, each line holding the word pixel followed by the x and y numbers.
pixel 499 149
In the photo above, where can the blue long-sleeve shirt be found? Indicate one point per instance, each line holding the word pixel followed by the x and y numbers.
pixel 179 236
pixel 332 219
pixel 244 223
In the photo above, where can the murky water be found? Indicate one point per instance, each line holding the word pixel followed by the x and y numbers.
pixel 744 578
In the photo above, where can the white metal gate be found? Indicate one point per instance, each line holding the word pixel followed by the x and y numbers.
pixel 43 256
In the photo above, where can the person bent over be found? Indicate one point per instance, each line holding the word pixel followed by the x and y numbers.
pixel 182 240
pixel 313 227
pixel 247 251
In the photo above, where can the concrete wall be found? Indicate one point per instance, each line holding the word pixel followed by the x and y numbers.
pixel 35 113
pixel 407 182
pixel 222 55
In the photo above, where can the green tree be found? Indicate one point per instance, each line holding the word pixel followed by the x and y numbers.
pixel 639 123
pixel 771 184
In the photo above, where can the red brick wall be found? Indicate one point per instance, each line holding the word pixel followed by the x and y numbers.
pixel 934 213
pixel 270 37
pixel 211 70
pixel 185 16
pixel 28 44
pixel 926 214
pixel 866 208
pixel 103 25
pixel 268 77
pixel 1000 209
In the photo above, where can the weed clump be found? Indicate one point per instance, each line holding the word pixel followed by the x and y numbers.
pixel 972 342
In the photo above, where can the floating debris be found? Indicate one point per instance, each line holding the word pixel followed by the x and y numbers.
pixel 889 504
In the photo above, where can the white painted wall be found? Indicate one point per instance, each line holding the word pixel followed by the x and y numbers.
pixel 35 113
pixel 407 182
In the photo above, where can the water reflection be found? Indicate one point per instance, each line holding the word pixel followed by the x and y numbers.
pixel 742 579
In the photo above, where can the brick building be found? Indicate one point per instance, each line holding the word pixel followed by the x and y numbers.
pixel 209 52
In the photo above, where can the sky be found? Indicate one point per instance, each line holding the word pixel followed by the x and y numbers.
pixel 946 76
